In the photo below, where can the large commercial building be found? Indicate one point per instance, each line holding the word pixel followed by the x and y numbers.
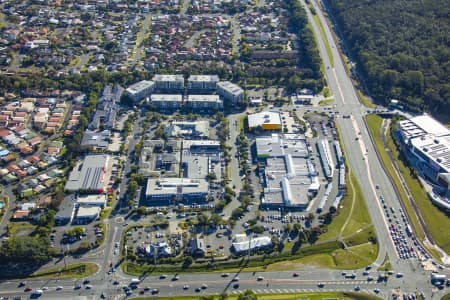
pixel 202 83
pixel 167 191
pixel 429 142
pixel 289 183
pixel 267 120
pixel 204 102
pixel 87 214
pixel 140 90
pixel 167 102
pixel 91 175
pixel 230 92
pixel 278 145
pixel 168 83
pixel 95 140
pixel 290 179
pixel 107 106
pixel 188 129
pixel 92 200
pixel 427 145
pixel 202 146
pixel 203 93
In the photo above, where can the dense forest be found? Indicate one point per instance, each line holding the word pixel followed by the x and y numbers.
pixel 401 48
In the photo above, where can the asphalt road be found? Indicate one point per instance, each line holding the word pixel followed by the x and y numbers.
pixel 271 282
pixel 362 156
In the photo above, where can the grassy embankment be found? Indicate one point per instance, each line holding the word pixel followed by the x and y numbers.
pixel 326 102
pixel 364 100
pixel 436 220
pixel 324 38
pixel 72 271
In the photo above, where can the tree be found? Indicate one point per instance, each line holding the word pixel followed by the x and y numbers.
pixel 247 295
pixel 84 247
pixel 211 176
pixel 236 213
pixel 25 249
pixel 132 189
pixel 75 231
pixel 187 262
pixel 289 227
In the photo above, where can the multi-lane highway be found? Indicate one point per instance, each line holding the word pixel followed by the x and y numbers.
pixel 215 283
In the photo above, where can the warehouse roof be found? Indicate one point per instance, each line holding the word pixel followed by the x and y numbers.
pixel 243 243
pixel 176 185
pixel 265 117
pixel 90 174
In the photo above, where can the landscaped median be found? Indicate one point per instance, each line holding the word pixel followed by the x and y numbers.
pixel 309 296
pixel 437 222
pixel 72 271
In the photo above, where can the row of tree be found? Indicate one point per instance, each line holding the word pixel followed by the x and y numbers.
pixel 401 49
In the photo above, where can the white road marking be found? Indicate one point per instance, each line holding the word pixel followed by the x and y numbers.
pixel 339 86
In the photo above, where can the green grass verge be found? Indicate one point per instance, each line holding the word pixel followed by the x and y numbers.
pixel 446 297
pixel 324 38
pixel 309 296
pixel 437 221
pixel 386 265
pixel 72 271
pixel 360 217
pixel 355 257
pixel 365 101
pixel 241 122
pixel 326 102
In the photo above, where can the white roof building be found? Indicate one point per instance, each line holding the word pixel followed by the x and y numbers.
pixel 140 90
pixel 242 243
pixel 87 214
pixel 92 200
pixel 265 119
pixel 422 125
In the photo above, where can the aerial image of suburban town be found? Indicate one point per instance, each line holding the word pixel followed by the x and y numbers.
pixel 224 149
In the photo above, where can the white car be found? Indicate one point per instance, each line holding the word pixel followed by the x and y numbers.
pixel 58 288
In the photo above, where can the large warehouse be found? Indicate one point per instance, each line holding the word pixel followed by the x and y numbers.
pixel 90 175
pixel 427 143
pixel 290 179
